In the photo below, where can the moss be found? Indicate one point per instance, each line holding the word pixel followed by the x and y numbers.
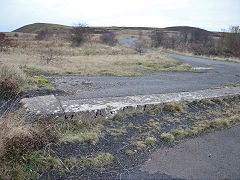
pixel 40 81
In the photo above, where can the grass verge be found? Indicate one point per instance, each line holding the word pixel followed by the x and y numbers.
pixel 201 127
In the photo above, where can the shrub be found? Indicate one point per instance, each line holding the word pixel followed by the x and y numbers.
pixel 6 42
pixel 13 72
pixel 109 38
pixel 140 46
pixel 49 55
pixel 21 139
pixel 43 35
pixel 9 88
pixel 157 38
pixel 229 43
pixel 16 35
pixel 79 34
pixel 12 81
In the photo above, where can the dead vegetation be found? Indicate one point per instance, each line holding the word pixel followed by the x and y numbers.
pixel 98 55
pixel 23 144
pixel 97 160
pixel 19 145
pixel 77 132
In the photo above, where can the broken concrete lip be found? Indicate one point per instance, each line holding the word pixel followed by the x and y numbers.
pixel 92 110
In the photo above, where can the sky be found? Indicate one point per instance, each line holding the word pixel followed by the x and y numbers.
pixel 213 15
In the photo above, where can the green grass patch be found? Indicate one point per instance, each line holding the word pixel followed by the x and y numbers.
pixel 40 81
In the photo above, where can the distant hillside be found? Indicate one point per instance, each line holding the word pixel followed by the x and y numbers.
pixel 36 27
pixel 56 28
pixel 189 29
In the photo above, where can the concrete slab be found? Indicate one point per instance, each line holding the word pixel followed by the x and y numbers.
pixel 92 110
pixel 42 106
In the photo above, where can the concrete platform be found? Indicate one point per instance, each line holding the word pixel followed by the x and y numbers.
pixel 92 110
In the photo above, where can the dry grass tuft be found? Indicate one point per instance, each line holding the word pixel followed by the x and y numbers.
pixel 167 137
pixel 17 137
pixel 19 141
pixel 201 127
pixel 174 107
pixel 13 72
pixel 98 160
pixel 75 131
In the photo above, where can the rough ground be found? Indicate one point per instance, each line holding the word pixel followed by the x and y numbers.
pixel 213 156
pixel 210 156
pixel 217 74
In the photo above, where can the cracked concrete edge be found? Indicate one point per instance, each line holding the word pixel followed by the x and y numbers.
pixel 92 110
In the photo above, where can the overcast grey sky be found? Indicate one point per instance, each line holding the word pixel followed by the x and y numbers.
pixel 208 14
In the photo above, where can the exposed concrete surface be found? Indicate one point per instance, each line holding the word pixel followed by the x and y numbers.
pixel 104 108
pixel 42 105
pixel 214 156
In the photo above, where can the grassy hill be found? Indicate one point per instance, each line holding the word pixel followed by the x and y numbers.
pixel 36 27
pixel 56 28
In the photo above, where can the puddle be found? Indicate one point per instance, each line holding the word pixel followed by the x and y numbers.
pixel 202 68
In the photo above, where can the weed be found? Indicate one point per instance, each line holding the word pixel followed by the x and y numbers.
pixel 117 132
pixel 18 137
pixel 129 152
pixel 9 88
pixel 32 71
pixel 76 131
pixel 109 38
pixel 13 72
pixel 174 107
pixel 150 141
pixel 140 145
pixel 178 133
pixel 28 166
pixel 96 161
pixel 168 137
pixel 200 127
pixel 6 43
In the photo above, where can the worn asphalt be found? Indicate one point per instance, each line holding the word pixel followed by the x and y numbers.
pixel 219 74
pixel 215 156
